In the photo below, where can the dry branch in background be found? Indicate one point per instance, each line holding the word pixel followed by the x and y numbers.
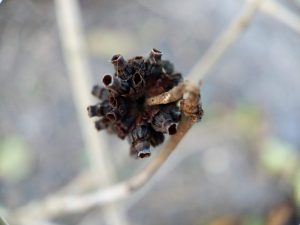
pixel 281 13
pixel 230 35
pixel 3 221
pixel 58 205
pixel 76 59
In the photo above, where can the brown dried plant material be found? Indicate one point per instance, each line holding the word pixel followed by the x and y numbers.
pixel 128 106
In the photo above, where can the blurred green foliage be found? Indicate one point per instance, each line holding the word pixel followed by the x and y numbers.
pixel 279 157
pixel 15 159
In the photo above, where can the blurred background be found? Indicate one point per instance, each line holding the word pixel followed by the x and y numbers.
pixel 240 165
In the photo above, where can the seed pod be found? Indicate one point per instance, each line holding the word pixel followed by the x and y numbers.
pixel 102 124
pixel 140 150
pixel 164 123
pixel 174 111
pixel 167 66
pixel 99 109
pixel 155 56
pixel 93 110
pixel 100 92
pixel 122 110
pixel 139 133
pixel 119 63
pixel 156 138
pixel 116 84
pixel 113 115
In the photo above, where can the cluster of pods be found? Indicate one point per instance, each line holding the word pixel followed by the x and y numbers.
pixel 122 109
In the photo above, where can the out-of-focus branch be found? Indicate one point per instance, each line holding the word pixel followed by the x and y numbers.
pixel 281 13
pixel 231 34
pixel 69 21
pixel 57 205
pixel 74 49
pixel 3 221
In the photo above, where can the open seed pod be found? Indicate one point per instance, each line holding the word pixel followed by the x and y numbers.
pixel 122 110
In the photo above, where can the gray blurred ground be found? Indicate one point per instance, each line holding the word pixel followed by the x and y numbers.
pixel 37 110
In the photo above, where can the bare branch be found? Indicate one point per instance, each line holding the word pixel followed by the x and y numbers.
pixel 172 95
pixel 3 221
pixel 231 34
pixel 58 205
pixel 281 13
pixel 73 44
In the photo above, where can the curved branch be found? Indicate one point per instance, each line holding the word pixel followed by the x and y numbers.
pixel 58 205
pixel 231 34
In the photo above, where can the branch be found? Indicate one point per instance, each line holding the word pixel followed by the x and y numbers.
pixel 3 221
pixel 172 95
pixel 231 34
pixel 281 13
pixel 58 205
pixel 76 59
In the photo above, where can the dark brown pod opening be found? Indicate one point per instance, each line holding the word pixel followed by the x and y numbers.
pixel 118 61
pixel 107 80
pixel 138 58
pixel 142 149
pixel 144 153
pixel 112 116
pixel 172 128
pixel 155 56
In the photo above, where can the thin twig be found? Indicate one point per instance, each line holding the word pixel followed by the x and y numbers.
pixel 71 34
pixel 172 95
pixel 3 221
pixel 54 206
pixel 281 13
pixel 231 34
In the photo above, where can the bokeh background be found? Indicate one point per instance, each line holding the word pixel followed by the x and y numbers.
pixel 238 166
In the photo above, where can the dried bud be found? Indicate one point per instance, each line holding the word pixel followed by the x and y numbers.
pixel 155 56
pixel 119 62
pixel 139 133
pixel 98 110
pixel 163 122
pixel 113 115
pixel 93 110
pixel 156 138
pixel 116 84
pixel 100 92
pixel 167 66
pixel 102 124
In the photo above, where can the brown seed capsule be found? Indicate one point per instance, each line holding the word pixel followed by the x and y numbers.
pixel 156 138
pixel 163 122
pixel 100 92
pixel 119 62
pixel 102 124
pixel 122 109
pixel 116 84
pixel 140 149
pixel 155 56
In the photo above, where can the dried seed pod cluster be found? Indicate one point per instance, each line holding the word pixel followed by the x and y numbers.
pixel 122 108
